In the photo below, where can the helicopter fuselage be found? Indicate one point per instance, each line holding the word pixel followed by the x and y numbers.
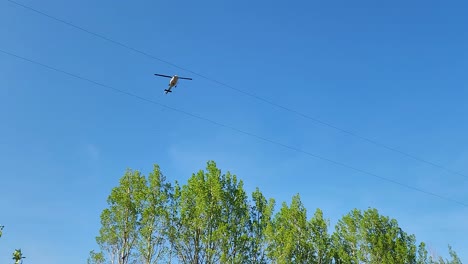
pixel 173 81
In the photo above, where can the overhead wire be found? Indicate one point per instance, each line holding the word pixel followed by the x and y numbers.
pixel 246 93
pixel 338 163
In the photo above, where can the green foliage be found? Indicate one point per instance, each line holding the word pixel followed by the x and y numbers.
pixel 293 239
pixel 287 235
pixel 321 240
pixel 261 212
pixel 347 238
pixel 454 259
pixel 120 222
pixel 198 218
pixel 422 254
pixel 1 230
pixel 96 258
pixel 173 234
pixel 152 246
pixel 371 238
pixel 210 220
pixel 18 256
pixel 235 220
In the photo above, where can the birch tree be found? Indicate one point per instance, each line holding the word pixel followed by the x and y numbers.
pixel 119 231
pixel 198 219
pixel 261 211
pixel 153 246
pixel 289 237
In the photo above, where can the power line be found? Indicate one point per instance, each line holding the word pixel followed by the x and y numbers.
pixel 344 165
pixel 314 119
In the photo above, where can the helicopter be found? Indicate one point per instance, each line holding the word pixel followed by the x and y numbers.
pixel 172 82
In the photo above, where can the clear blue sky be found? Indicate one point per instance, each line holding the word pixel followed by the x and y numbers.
pixel 393 71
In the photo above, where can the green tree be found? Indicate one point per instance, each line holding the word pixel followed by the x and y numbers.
pixel 120 222
pixel 321 240
pixel 289 235
pixel 372 238
pixel 198 218
pixel 261 212
pixel 422 254
pixel 175 224
pixel 210 220
pixel 154 223
pixel 1 230
pixel 234 220
pixel 347 238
